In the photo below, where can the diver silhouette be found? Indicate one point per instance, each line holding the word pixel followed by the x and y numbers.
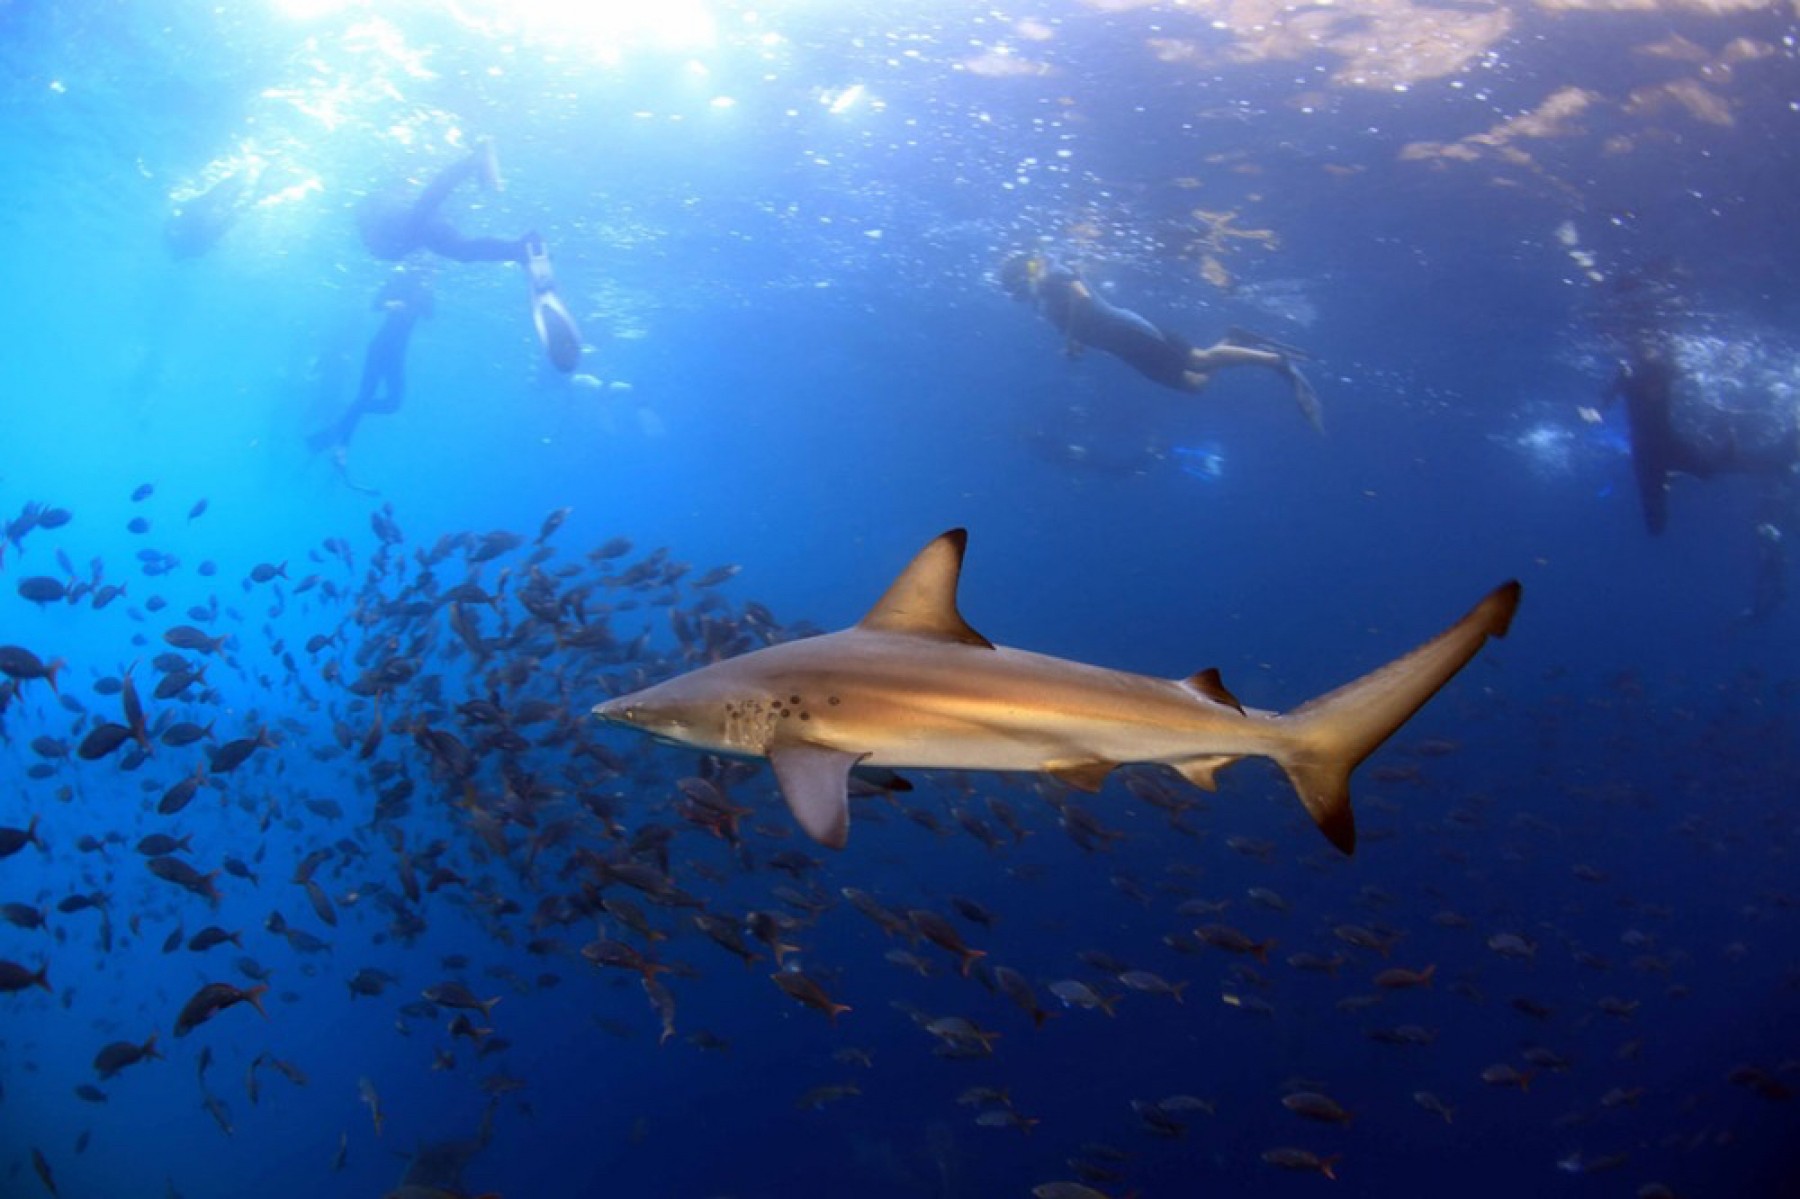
pixel 1676 429
pixel 1086 320
pixel 394 226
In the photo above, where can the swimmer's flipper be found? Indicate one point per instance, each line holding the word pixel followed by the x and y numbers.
pixel 555 327
pixel 1305 397
pixel 1252 340
pixel 340 466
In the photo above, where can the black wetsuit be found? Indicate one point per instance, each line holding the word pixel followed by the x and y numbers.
pixel 382 390
pixel 1706 441
pixel 1084 319
pixel 1648 387
pixel 393 227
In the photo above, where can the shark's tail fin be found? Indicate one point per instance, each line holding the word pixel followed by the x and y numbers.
pixel 1335 732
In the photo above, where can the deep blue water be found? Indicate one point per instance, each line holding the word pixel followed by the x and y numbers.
pixel 777 228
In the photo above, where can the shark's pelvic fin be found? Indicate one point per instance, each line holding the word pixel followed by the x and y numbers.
pixel 922 601
pixel 1333 733
pixel 815 781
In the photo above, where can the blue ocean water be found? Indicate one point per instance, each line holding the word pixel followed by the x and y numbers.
pixel 778 229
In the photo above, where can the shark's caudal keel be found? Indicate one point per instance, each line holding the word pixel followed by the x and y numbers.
pixel 913 685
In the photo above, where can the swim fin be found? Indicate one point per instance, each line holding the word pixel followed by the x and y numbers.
pixel 1305 397
pixel 555 327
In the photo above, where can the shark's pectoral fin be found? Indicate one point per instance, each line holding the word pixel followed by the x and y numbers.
pixel 1209 684
pixel 815 781
pixel 1203 772
pixel 1083 776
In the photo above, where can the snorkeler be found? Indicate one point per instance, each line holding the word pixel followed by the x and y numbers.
pixel 404 299
pixel 1086 320
pixel 1702 440
pixel 394 227
pixel 1674 432
pixel 196 224
pixel 1646 382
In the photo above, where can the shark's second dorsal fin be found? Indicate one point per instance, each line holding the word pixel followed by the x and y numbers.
pixel 922 601
pixel 1208 683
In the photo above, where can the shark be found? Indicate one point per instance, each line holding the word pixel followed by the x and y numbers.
pixel 913 685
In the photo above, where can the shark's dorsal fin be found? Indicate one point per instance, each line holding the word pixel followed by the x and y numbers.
pixel 815 781
pixel 1209 684
pixel 922 601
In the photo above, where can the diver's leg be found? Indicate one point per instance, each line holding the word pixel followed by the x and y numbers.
pixel 1224 354
pixel 1237 335
pixel 443 183
pixel 393 390
pixel 385 369
pixel 337 434
pixel 487 163
pixel 1652 484
pixel 442 239
pixel 1202 364
pixel 438 235
pixel 336 439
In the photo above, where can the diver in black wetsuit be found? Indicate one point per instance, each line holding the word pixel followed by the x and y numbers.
pixel 404 298
pixel 1086 320
pixel 394 227
pixel 1703 441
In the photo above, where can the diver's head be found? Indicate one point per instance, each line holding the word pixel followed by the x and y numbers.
pixel 1019 274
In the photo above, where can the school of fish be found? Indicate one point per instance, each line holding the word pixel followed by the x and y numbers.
pixel 448 687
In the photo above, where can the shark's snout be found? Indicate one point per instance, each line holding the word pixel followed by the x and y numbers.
pixel 618 710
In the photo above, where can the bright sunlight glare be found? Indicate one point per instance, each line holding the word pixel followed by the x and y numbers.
pixel 606 28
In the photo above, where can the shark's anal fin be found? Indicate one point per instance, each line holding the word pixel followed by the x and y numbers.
pixel 1203 772
pixel 1083 776
pixel 815 781
pixel 922 601
pixel 1209 684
